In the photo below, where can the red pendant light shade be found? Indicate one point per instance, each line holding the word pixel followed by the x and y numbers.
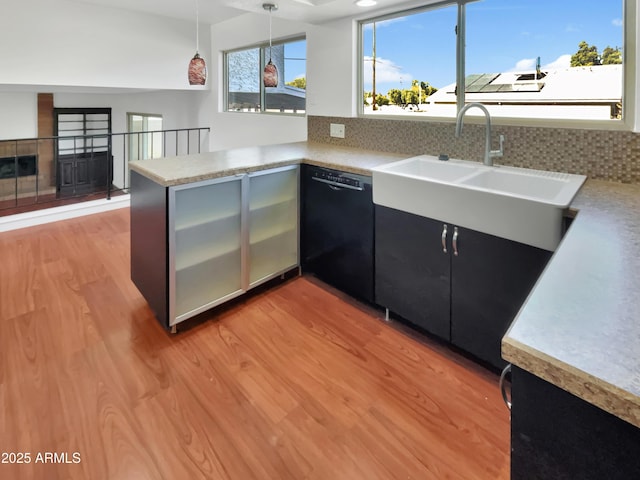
pixel 197 68
pixel 270 77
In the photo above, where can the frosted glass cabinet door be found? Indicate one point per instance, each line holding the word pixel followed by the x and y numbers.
pixel 273 223
pixel 205 242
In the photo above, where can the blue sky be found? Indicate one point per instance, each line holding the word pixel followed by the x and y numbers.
pixel 295 64
pixel 502 35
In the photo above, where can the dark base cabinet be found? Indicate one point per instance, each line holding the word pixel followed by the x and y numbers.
pixel 491 278
pixel 461 285
pixel 556 435
pixel 413 274
pixel 83 173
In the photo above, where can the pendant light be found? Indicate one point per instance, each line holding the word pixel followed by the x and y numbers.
pixel 270 77
pixel 197 67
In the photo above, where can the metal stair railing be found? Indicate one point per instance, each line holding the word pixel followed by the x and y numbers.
pixel 68 175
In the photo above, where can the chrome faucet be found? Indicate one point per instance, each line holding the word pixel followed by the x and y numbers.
pixel 488 153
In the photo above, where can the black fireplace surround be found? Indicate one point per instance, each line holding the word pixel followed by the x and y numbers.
pixel 26 166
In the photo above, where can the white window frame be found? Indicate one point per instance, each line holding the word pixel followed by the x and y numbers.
pixel 262 46
pixel 631 76
pixel 144 144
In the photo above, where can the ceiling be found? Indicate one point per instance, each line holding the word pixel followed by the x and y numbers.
pixel 215 11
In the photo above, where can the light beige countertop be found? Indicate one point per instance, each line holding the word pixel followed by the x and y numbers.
pixel 580 327
pixel 179 170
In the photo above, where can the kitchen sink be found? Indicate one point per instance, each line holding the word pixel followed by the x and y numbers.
pixel 547 187
pixel 519 204
pixel 426 167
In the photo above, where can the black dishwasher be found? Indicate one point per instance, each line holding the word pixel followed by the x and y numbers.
pixel 337 229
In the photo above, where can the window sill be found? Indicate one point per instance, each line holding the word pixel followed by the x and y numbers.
pixel 610 125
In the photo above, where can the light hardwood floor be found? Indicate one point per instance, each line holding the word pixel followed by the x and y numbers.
pixel 296 382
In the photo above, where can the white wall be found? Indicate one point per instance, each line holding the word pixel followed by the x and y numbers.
pixel 176 108
pixel 332 69
pixel 18 115
pixel 234 129
pixel 61 42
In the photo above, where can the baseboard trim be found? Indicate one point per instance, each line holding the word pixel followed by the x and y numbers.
pixel 65 212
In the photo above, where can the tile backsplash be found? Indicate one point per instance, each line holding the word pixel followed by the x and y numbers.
pixel 601 154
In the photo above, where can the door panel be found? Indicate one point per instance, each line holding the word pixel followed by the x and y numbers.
pixel 491 278
pixel 273 223
pixel 413 274
pixel 66 173
pixel 82 172
pixel 205 242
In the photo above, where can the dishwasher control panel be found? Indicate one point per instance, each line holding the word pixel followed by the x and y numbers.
pixel 337 177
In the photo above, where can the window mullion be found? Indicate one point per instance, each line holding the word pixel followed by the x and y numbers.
pixel 460 55
pixel 263 93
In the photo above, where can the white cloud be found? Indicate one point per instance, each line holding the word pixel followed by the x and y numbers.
pixel 571 28
pixel 529 64
pixel 524 64
pixel 386 71
pixel 563 61
pixel 617 22
pixel 384 23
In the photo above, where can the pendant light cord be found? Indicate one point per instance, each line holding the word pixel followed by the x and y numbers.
pixel 197 28
pixel 270 33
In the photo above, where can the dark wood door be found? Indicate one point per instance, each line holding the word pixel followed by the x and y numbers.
pixel 491 278
pixel 413 273
pixel 83 174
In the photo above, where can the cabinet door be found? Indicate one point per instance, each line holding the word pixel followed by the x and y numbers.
pixel 273 223
pixel 205 244
pixel 556 435
pixel 66 174
pixel 491 278
pixel 412 270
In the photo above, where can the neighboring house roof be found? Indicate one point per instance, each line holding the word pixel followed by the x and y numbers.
pixel 601 84
pixel 290 100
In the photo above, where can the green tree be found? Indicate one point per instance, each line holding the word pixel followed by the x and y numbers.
pixel 300 82
pixel 382 99
pixel 395 96
pixel 586 55
pixel 410 97
pixel 611 56
pixel 416 93
pixel 427 89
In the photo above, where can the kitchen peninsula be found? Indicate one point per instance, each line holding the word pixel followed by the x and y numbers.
pixel 578 330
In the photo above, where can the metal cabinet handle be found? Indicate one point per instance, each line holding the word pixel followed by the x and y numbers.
pixel 444 238
pixel 455 241
pixel 503 390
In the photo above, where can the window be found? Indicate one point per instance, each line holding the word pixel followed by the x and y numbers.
pixel 245 91
pixel 521 58
pixel 148 141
